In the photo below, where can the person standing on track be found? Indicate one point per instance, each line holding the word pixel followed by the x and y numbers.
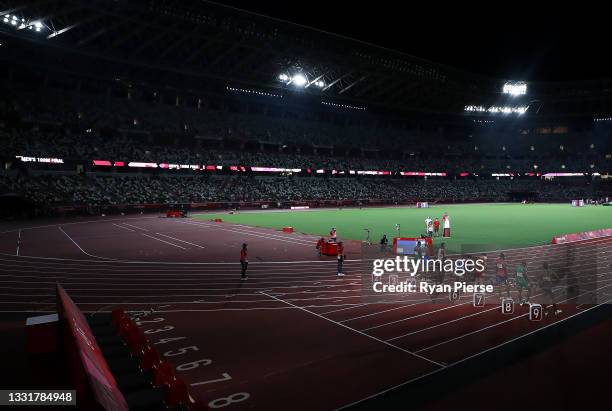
pixel 333 234
pixel 383 243
pixel 501 275
pixel 429 226
pixel 546 284
pixel 447 227
pixel 522 282
pixel 341 258
pixel 244 261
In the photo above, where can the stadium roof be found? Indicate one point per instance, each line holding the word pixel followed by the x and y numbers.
pixel 197 39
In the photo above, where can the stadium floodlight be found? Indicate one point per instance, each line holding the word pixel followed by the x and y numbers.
pixel 299 80
pixel 320 84
pixel 520 110
pixel 283 77
pixel 515 88
pixel 14 22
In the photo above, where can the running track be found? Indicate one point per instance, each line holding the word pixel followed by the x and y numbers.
pixel 293 327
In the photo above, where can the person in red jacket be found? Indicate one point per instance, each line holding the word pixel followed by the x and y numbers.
pixel 436 225
pixel 244 261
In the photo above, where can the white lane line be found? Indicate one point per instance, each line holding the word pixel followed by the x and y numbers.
pixel 496 324
pixel 125 228
pixel 18 243
pixel 79 247
pixel 254 230
pixel 345 308
pixel 356 331
pixel 450 307
pixel 182 241
pixel 558 249
pixel 268 237
pixel 194 263
pixel 136 227
pixel 163 241
pixel 212 271
pixel 465 359
pixel 470 315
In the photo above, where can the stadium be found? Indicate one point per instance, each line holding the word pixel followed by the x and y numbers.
pixel 206 207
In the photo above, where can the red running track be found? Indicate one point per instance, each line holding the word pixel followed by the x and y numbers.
pixel 294 335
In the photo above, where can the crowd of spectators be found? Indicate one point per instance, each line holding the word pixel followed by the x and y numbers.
pixel 124 127
pixel 79 128
pixel 87 146
pixel 92 190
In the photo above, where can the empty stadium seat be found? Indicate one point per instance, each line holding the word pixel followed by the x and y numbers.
pixel 163 374
pixel 125 326
pixel 116 316
pixel 135 341
pixel 150 358
pixel 176 393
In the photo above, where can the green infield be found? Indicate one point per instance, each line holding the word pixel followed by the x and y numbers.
pixel 474 226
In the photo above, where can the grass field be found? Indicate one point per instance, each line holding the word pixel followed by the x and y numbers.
pixel 484 226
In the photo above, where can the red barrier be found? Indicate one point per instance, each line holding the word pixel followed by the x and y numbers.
pixel 287 229
pixel 174 214
pixel 81 341
pixel 586 235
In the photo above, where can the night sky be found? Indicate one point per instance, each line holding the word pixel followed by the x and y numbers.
pixel 513 42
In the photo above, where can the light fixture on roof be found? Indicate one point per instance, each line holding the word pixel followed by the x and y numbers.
pixel 299 80
pixel 515 88
pixel 320 84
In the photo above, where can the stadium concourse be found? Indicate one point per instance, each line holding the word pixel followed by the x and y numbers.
pixel 294 325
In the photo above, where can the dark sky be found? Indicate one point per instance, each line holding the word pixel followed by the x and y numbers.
pixel 515 42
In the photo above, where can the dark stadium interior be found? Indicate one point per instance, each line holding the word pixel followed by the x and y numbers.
pixel 114 112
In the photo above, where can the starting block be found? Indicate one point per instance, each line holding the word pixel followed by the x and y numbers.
pixel 287 229
pixel 218 220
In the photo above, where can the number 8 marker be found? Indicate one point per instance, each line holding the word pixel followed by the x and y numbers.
pixel 507 306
